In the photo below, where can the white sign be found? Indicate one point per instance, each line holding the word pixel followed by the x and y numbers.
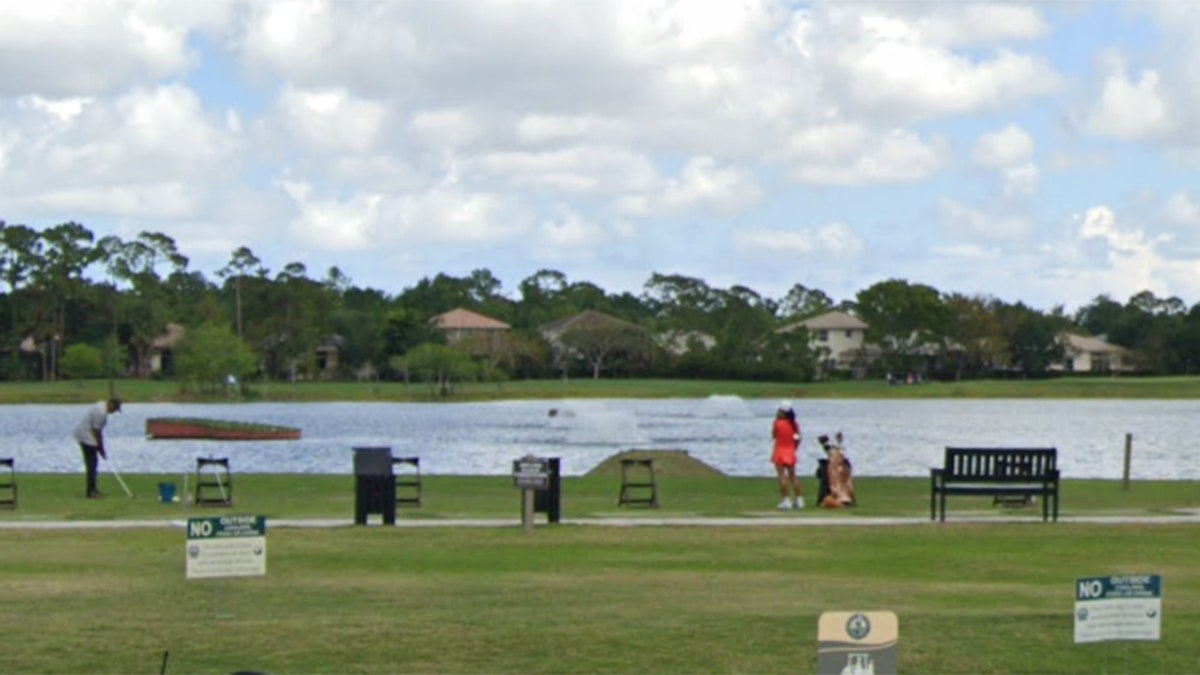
pixel 531 473
pixel 1118 608
pixel 226 546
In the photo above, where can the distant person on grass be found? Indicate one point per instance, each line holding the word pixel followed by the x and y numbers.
pixel 786 433
pixel 90 435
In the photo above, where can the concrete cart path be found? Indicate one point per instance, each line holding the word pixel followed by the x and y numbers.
pixel 1191 516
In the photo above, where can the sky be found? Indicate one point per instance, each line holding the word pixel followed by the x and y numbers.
pixel 1046 153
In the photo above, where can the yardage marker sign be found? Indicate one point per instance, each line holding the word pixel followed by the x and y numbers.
pixel 1125 607
pixel 226 546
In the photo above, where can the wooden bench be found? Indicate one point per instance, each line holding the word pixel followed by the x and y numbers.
pixel 999 472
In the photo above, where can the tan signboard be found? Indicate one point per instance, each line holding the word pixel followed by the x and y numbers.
pixel 857 643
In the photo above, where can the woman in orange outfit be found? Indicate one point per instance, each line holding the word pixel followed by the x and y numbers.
pixel 786 433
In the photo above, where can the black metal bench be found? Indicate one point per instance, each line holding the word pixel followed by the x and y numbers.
pixel 998 472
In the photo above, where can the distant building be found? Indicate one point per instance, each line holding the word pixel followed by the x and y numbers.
pixel 461 325
pixel 1092 355
pixel 160 356
pixel 839 337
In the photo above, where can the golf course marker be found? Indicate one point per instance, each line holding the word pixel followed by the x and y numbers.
pixel 857 643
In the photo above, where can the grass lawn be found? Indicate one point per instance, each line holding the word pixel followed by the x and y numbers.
pixel 971 597
pixel 1061 387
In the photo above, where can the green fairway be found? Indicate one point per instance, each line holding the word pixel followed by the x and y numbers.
pixel 971 597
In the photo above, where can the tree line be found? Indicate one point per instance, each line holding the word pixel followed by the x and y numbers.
pixel 74 305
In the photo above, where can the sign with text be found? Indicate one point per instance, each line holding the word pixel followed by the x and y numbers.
pixel 857 643
pixel 1125 607
pixel 531 473
pixel 226 546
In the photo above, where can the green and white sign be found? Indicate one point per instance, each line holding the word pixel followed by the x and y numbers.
pixel 226 546
pixel 1125 607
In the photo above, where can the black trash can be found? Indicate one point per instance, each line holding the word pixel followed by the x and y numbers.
pixel 374 485
pixel 549 501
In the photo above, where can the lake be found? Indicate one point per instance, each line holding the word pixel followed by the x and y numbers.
pixel 883 437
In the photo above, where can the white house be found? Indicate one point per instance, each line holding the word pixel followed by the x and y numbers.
pixel 838 336
pixel 1092 355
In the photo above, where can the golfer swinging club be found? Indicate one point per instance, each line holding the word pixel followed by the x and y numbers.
pixel 90 435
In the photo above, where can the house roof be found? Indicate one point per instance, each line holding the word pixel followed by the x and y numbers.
pixel 588 317
pixel 460 319
pixel 828 321
pixel 1079 344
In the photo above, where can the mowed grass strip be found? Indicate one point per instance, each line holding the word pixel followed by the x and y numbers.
pixel 681 494
pixel 979 598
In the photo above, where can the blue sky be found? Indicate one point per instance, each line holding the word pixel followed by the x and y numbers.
pixel 1046 153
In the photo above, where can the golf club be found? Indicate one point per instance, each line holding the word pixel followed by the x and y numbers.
pixel 118 476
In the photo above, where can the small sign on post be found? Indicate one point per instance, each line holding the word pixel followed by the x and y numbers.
pixel 226 546
pixel 857 643
pixel 1118 608
pixel 530 474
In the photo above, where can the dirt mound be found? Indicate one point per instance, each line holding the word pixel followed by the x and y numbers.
pixel 666 463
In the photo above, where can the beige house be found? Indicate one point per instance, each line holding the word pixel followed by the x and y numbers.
pixel 464 325
pixel 1092 355
pixel 838 336
pixel 162 349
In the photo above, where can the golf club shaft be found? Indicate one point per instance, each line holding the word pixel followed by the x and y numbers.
pixel 118 476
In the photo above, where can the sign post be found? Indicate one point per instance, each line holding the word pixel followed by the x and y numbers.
pixel 225 546
pixel 529 474
pixel 1118 608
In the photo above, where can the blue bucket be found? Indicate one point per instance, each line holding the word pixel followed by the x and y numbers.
pixel 166 493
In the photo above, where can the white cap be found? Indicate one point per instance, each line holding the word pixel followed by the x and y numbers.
pixel 785 406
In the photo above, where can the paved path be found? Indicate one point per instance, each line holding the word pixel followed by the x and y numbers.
pixel 1179 517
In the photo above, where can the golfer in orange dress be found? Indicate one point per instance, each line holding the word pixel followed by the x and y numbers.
pixel 786 433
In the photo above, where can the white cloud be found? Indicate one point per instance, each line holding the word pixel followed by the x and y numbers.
pixel 150 151
pixel 66 48
pixel 1003 148
pixel 1128 261
pixel 1020 181
pixel 332 224
pixel 702 185
pixel 900 62
pixel 1126 109
pixel 848 154
pixel 834 239
pixel 965 221
pixel 450 128
pixel 1181 209
pixel 576 170
pixel 537 128
pixel 332 120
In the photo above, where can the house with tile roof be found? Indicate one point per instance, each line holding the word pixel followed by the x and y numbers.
pixel 462 324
